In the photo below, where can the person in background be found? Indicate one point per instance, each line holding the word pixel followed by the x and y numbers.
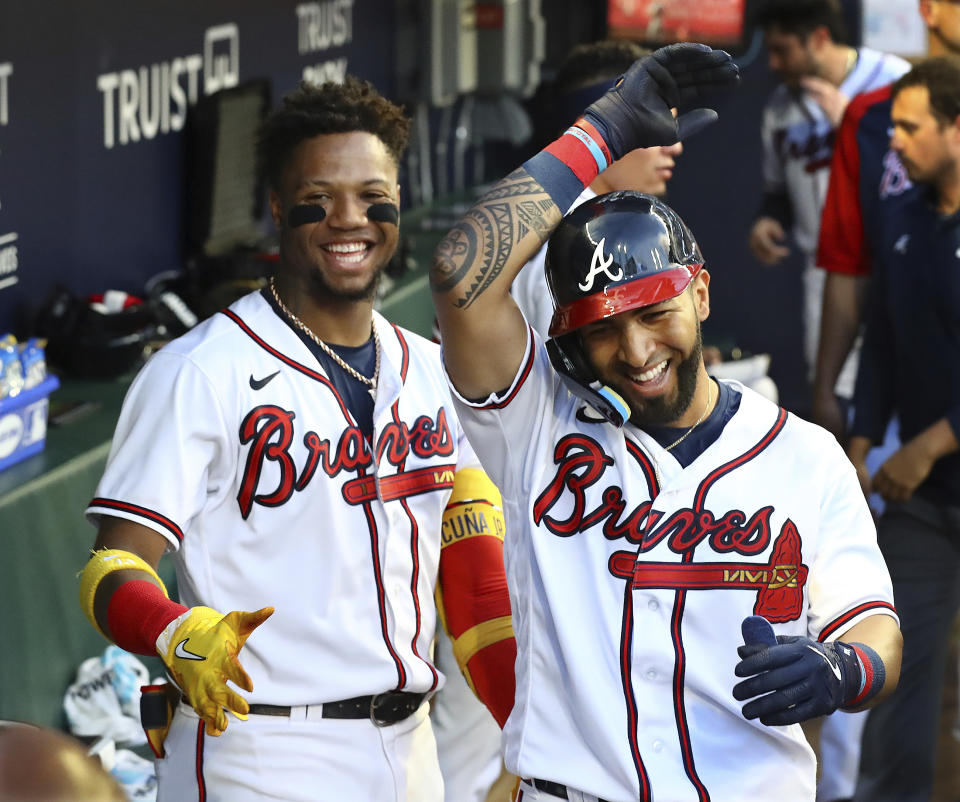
pixel 865 175
pixel 805 41
pixel 819 73
pixel 910 365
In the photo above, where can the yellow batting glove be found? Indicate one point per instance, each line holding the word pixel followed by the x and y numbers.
pixel 200 649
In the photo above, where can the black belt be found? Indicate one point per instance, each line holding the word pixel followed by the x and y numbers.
pixel 552 788
pixel 382 709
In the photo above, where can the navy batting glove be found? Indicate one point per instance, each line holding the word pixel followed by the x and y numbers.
pixel 796 678
pixel 636 111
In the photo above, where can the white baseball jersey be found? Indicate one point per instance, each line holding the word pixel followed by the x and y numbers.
pixel 233 445
pixel 630 576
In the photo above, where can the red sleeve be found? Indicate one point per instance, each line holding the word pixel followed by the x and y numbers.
pixel 474 605
pixel 842 247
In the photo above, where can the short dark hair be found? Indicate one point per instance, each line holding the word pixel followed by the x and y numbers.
pixel 941 77
pixel 801 17
pixel 329 108
pixel 591 62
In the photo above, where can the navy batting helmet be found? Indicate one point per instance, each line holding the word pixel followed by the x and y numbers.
pixel 616 252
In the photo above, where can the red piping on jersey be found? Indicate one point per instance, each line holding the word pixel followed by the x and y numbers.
pixel 848 616
pixel 718 473
pixel 679 673
pixel 156 517
pixel 313 374
pixel 524 373
pixel 421 480
pixel 201 785
pixel 405 361
pixel 683 728
pixel 646 466
pixel 381 597
pixel 415 557
pixel 626 641
pixel 626 661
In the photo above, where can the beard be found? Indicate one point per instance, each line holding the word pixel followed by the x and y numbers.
pixel 321 288
pixel 664 410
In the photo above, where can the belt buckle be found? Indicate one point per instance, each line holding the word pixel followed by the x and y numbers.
pixel 373 715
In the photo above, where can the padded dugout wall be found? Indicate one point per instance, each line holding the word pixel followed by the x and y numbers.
pixel 92 99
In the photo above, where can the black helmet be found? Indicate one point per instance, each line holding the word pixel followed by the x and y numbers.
pixel 613 253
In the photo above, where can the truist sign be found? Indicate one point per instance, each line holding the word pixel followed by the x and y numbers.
pixel 152 99
pixel 323 26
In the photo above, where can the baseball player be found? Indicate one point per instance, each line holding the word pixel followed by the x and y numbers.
pixel 296 454
pixel 914 300
pixel 804 39
pixel 660 524
pixel 864 175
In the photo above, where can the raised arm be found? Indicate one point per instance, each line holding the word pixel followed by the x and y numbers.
pixel 482 329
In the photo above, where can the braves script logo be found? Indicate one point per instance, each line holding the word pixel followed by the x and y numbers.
pixel 268 430
pixel 779 583
pixel 600 264
pixel 814 148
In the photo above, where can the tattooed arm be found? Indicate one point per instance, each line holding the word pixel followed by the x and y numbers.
pixel 482 329
pixel 473 268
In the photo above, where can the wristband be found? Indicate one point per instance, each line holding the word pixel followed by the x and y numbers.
pixel 583 150
pixel 137 613
pixel 873 674
pixel 570 163
pixel 102 563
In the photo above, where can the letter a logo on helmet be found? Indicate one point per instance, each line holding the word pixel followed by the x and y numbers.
pixel 611 254
pixel 599 264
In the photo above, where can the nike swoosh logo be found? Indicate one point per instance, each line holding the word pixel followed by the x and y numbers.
pixel 181 651
pixel 834 668
pixel 259 384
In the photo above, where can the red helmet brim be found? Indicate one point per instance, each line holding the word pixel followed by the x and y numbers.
pixel 618 298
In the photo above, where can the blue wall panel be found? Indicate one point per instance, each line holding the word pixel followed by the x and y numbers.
pixel 92 102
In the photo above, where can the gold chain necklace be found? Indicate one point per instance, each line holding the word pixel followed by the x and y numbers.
pixel 371 383
pixel 703 414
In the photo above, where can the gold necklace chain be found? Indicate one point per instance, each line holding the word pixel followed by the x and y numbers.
pixel 703 414
pixel 371 383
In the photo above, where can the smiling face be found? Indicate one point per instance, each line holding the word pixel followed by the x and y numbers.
pixel 341 256
pixel 652 356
